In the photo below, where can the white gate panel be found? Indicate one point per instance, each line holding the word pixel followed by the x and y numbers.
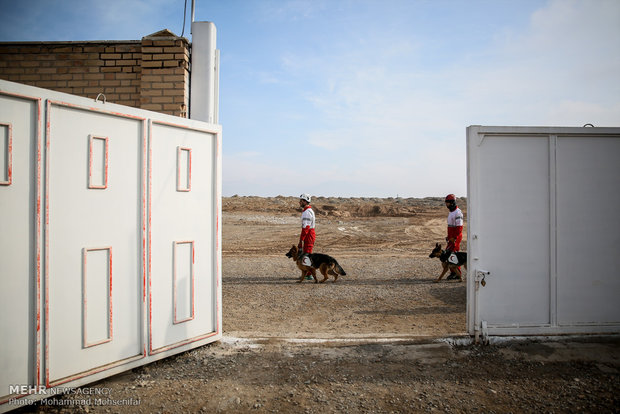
pixel 183 289
pixel 20 221
pixel 110 240
pixel 95 272
pixel 516 219
pixel 541 203
pixel 588 197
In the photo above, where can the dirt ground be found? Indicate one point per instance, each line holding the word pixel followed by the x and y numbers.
pixel 385 338
pixel 383 245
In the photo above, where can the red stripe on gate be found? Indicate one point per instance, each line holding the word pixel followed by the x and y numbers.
pixel 193 281
pixel 48 381
pixel 187 186
pixel 217 331
pixel 106 142
pixel 9 153
pixel 85 343
pixel 37 242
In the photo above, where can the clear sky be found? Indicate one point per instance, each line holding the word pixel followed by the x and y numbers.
pixel 369 97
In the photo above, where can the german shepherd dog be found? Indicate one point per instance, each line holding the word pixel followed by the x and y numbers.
pixel 326 264
pixel 443 256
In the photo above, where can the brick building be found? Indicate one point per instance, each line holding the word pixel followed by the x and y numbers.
pixel 152 73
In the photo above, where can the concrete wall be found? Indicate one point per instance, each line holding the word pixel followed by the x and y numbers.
pixel 152 73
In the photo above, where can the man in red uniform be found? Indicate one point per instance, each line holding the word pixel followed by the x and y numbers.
pixel 307 236
pixel 455 228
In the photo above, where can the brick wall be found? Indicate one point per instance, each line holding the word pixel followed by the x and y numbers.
pixel 152 73
pixel 165 74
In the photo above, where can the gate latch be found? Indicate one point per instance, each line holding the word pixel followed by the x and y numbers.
pixel 480 277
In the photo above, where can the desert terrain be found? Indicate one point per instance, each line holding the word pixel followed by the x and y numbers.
pixel 382 244
pixel 383 339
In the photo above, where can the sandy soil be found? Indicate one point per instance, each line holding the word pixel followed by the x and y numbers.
pixel 383 339
pixel 383 245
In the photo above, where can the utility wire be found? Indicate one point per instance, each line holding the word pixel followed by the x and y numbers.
pixel 184 14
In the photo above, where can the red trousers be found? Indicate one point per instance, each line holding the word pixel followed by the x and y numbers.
pixel 308 241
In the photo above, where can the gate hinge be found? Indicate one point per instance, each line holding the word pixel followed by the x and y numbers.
pixel 485 332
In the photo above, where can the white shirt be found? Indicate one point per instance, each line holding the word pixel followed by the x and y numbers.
pixel 307 218
pixel 455 218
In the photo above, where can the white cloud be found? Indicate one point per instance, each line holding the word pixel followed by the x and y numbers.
pixel 568 53
pixel 560 69
pixel 252 173
pixel 578 113
pixel 378 96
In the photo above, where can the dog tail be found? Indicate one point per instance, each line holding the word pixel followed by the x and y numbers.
pixel 339 269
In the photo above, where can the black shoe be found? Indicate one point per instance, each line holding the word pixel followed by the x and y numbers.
pixel 452 276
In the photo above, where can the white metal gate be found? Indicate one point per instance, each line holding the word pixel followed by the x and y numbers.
pixel 20 241
pixel 110 239
pixel 542 230
pixel 94 185
pixel 182 251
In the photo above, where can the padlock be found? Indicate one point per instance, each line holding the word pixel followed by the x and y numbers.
pixel 483 282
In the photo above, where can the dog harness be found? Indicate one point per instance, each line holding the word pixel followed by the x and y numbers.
pixel 453 259
pixel 450 257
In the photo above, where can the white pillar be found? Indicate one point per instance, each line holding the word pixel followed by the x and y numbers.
pixel 204 87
